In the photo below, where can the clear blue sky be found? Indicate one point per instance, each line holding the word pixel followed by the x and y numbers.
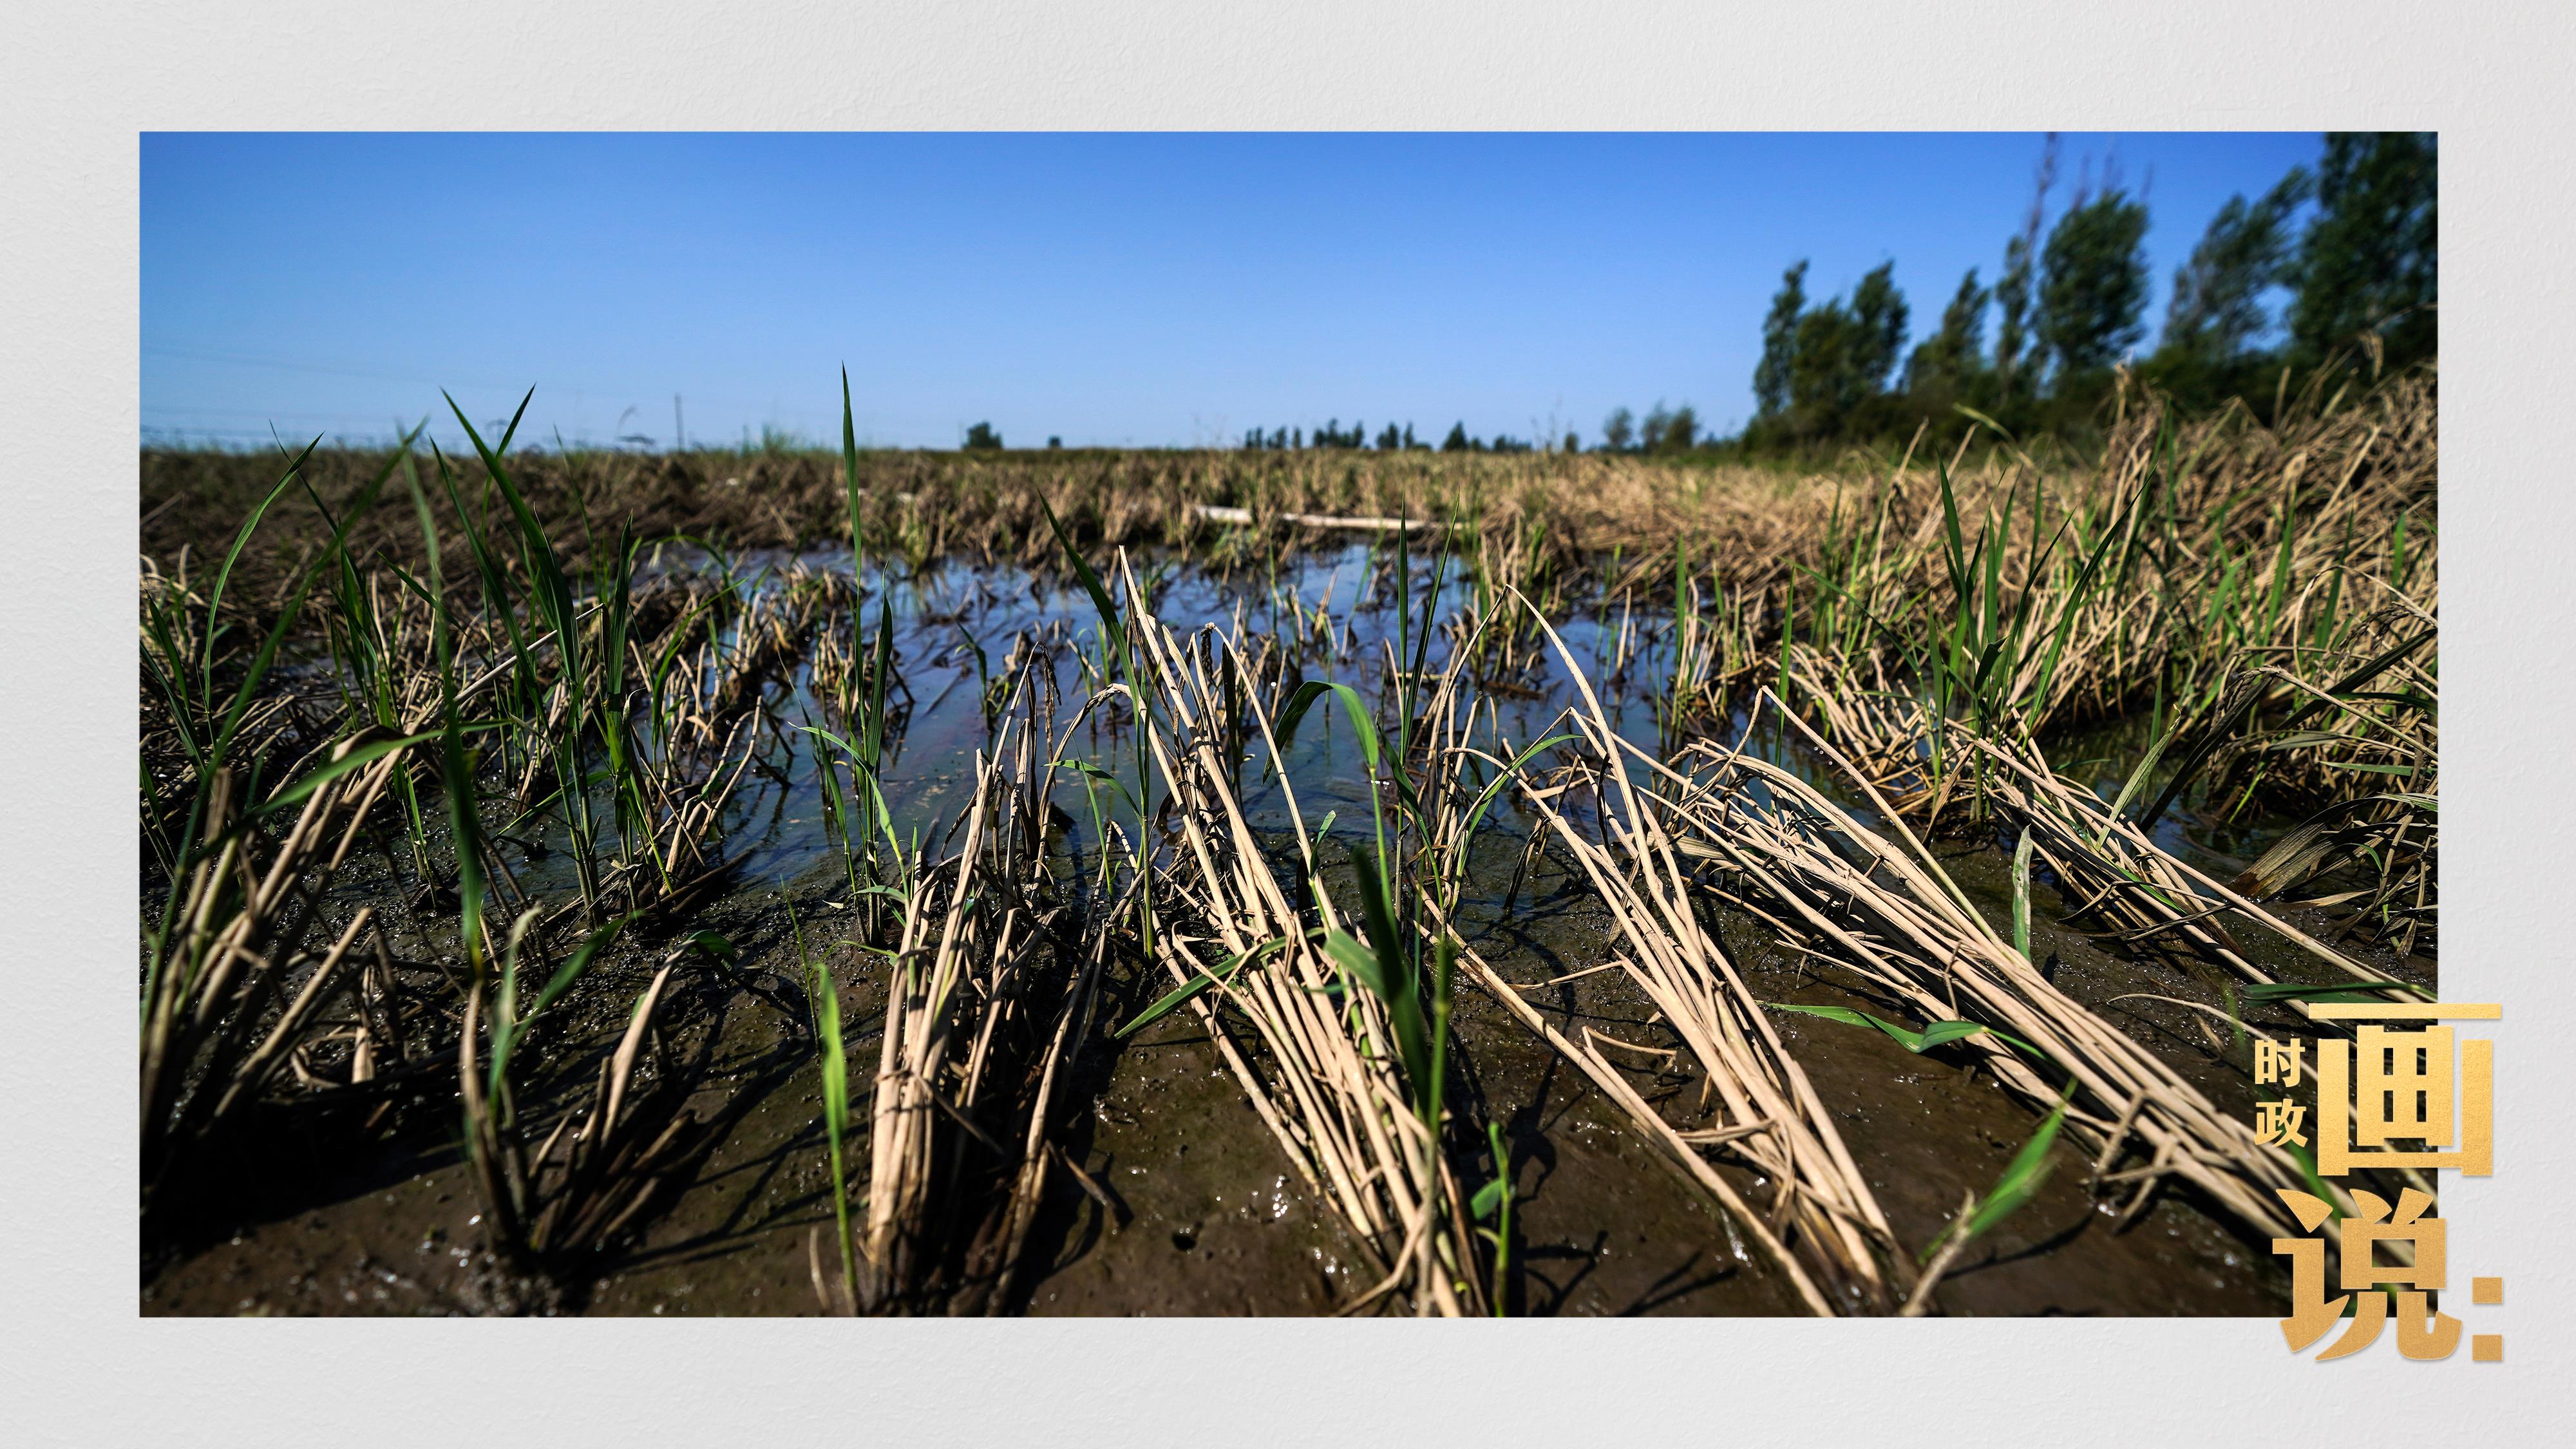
pixel 1111 289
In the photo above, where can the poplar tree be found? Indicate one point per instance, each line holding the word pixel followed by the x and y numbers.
pixel 1618 431
pixel 1844 352
pixel 1779 344
pixel 1650 434
pixel 2217 314
pixel 2014 287
pixel 1879 319
pixel 2368 263
pixel 2093 282
pixel 1949 358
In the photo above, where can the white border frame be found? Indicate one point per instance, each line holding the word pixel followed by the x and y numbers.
pixel 77 84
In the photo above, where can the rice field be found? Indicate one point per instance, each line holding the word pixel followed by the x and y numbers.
pixel 1323 882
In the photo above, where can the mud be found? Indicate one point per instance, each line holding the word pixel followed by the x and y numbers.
pixel 1193 1208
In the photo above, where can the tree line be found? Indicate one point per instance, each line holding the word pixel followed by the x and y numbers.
pixel 1390 439
pixel 2339 261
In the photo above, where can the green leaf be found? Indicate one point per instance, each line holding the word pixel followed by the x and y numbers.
pixel 1354 958
pixel 2022 1176
pixel 850 475
pixel 2302 739
pixel 1973 415
pixel 257 671
pixel 464 826
pixel 1086 768
pixel 1485 799
pixel 836 1090
pixel 2317 1185
pixel 1487 1199
pixel 241 540
pixel 2297 991
pixel 1936 1034
pixel 835 1069
pixel 1304 699
pixel 1090 581
pixel 1396 983
pixel 510 1026
pixel 571 971
pixel 358 758
pixel 1174 999
pixel 2021 895
pixel 2146 766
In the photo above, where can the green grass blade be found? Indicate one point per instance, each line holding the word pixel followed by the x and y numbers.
pixel 2021 895
pixel 358 758
pixel 241 541
pixel 1179 996
pixel 2021 1178
pixel 1395 981
pixel 1092 771
pixel 1935 1034
pixel 1304 698
pixel 1109 618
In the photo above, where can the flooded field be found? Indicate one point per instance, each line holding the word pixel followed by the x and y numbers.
pixel 1189 885
pixel 1160 1184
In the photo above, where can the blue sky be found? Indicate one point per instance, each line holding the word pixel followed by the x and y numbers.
pixel 1111 289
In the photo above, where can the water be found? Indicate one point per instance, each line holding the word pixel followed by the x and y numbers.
pixel 1207 1217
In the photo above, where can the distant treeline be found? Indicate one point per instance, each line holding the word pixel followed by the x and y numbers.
pixel 1390 439
pixel 2335 263
pixel 2257 294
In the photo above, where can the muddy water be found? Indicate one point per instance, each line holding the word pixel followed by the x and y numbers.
pixel 1204 1214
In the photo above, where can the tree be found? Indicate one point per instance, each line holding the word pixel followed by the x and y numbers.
pixel 1779 343
pixel 1456 442
pixel 2012 305
pixel 2217 315
pixel 1681 428
pixel 1650 433
pixel 1944 363
pixel 1618 431
pixel 2368 263
pixel 1820 374
pixel 982 438
pixel 1573 444
pixel 1843 353
pixel 1879 319
pixel 2093 282
pixel 2013 288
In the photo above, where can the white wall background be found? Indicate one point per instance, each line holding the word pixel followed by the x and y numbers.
pixel 78 82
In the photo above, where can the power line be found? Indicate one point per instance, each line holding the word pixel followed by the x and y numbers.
pixel 262 414
pixel 378 374
pixel 235 359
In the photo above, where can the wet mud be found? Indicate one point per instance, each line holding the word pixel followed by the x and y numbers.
pixel 1176 1199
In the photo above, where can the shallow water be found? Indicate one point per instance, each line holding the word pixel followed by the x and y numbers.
pixel 1207 1215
